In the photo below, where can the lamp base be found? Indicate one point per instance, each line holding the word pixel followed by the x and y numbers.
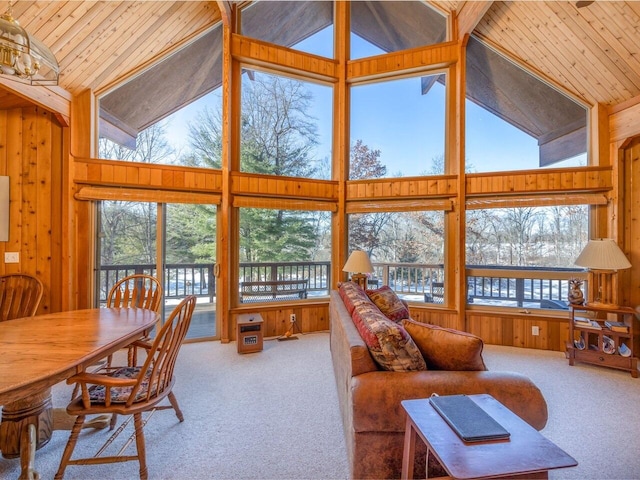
pixel 360 279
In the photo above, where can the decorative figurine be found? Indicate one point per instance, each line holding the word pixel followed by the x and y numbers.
pixel 576 297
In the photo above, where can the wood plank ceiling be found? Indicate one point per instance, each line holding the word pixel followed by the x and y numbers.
pixel 98 43
pixel 591 52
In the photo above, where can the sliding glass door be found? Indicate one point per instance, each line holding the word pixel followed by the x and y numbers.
pixel 189 263
pixel 138 237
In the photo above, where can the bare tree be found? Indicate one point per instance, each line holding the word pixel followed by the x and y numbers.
pixel 365 229
pixel 128 229
pixel 279 135
pixel 151 147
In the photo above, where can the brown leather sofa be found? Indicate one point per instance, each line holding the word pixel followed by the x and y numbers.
pixel 374 420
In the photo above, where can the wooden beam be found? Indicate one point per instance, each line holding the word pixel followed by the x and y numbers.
pixel 548 199
pixel 241 201
pixel 146 195
pixel 415 60
pixel 225 11
pixel 101 172
pixel 540 181
pixel 408 205
pixel 435 186
pixel 280 187
pixel 625 123
pixel 55 99
pixel 274 57
pixel 469 15
pixel 341 141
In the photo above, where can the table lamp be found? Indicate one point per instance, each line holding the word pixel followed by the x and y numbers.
pixel 603 258
pixel 359 265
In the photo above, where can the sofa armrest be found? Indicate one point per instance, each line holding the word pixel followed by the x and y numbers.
pixel 349 352
pixel 376 396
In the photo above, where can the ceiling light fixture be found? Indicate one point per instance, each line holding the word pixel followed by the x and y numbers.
pixel 24 58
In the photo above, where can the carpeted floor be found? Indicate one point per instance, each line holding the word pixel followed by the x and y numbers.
pixel 274 415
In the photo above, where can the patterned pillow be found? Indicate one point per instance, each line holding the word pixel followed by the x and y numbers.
pixel 352 295
pixel 389 303
pixel 389 343
pixel 446 348
pixel 97 393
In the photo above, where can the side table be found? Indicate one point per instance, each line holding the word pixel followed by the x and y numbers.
pixel 527 453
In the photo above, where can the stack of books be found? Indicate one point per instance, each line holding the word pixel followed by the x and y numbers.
pixel 620 327
pixel 587 323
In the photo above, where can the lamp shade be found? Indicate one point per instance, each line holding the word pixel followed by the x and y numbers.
pixel 358 262
pixel 602 254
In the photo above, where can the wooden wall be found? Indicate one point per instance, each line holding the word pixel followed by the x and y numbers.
pixel 31 154
pixel 310 317
pixel 630 235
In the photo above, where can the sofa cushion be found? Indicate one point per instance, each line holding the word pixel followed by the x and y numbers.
pixel 446 348
pixel 389 343
pixel 352 295
pixel 389 303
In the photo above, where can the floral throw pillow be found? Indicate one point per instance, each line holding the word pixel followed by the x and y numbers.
pixel 446 348
pixel 352 295
pixel 389 303
pixel 389 343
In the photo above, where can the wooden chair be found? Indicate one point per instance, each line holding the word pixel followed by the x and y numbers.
pixel 138 290
pixel 20 296
pixel 131 391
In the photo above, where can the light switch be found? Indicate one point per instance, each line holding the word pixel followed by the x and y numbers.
pixel 11 257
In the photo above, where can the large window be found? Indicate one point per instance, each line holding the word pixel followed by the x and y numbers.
pixel 284 254
pixel 286 126
pixel 406 250
pixel 523 257
pixel 515 121
pixel 402 123
pixel 395 26
pixel 305 26
pixel 166 96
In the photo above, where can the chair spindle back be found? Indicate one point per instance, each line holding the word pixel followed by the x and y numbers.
pixel 161 358
pixel 139 290
pixel 20 296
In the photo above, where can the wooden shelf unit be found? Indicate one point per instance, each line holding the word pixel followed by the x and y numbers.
pixel 593 338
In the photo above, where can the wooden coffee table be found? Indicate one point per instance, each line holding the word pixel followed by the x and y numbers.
pixel 526 453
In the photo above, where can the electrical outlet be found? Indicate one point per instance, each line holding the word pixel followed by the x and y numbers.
pixel 292 318
pixel 11 257
pixel 535 330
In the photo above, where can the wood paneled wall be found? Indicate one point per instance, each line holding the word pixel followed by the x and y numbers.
pixel 310 317
pixel 630 159
pixel 31 154
pixel 514 329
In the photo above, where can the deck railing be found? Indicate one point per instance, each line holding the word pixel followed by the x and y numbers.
pixel 317 273
pixel 199 279
pixel 180 279
pixel 528 287
pixel 524 287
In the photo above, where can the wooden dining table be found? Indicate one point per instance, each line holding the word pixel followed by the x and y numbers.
pixel 41 351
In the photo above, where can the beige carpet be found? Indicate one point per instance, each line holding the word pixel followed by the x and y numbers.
pixel 274 415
